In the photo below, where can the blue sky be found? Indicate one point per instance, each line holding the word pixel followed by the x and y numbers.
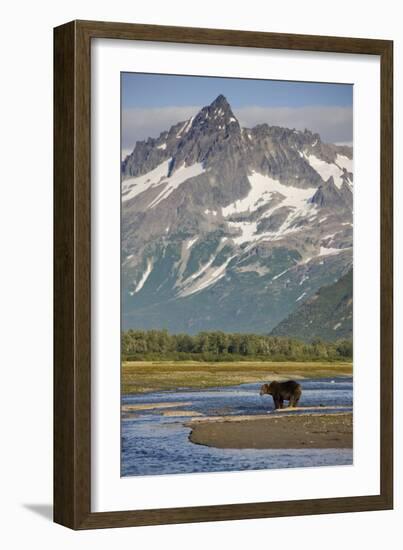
pixel 149 90
pixel 152 103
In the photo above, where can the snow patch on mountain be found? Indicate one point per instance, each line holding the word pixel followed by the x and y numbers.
pixel 326 169
pixel 330 236
pixel 210 277
pixel 280 274
pixel 325 251
pixel 185 128
pixel 199 271
pixel 188 125
pixel 294 222
pixel 253 268
pixel 344 162
pixel 132 187
pixel 262 190
pixel 144 278
pixel 247 229
pixel 191 242
pixel 173 182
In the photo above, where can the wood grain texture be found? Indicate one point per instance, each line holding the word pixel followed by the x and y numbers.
pixel 72 290
pixel 221 37
pixel 72 274
pixel 386 282
pixel 64 344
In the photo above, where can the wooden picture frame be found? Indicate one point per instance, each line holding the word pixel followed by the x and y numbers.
pixel 72 271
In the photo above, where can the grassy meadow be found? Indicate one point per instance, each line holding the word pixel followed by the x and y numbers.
pixel 149 376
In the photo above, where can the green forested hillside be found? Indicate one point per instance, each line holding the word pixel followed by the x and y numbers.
pixel 328 314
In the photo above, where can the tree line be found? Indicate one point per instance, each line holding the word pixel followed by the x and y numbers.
pixel 222 346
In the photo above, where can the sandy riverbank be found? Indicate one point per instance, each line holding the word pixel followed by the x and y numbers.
pixel 303 431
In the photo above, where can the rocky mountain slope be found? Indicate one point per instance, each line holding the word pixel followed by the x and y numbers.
pixel 328 314
pixel 231 228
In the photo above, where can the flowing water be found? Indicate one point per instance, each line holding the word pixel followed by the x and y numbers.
pixel 155 444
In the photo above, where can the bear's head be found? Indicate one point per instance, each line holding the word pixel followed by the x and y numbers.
pixel 267 389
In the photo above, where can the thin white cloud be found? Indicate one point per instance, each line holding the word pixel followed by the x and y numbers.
pixel 334 124
pixel 348 143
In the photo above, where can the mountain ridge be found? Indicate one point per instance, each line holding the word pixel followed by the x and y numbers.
pixel 328 314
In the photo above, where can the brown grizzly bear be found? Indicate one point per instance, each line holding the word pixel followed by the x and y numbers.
pixel 283 391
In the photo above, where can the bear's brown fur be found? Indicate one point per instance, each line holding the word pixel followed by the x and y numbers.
pixel 283 391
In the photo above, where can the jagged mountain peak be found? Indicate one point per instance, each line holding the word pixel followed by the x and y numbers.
pixel 329 195
pixel 217 116
pixel 220 103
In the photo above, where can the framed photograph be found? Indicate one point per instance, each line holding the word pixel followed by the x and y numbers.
pixel 222 275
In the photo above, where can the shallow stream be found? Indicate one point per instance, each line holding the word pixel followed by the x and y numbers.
pixel 154 443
